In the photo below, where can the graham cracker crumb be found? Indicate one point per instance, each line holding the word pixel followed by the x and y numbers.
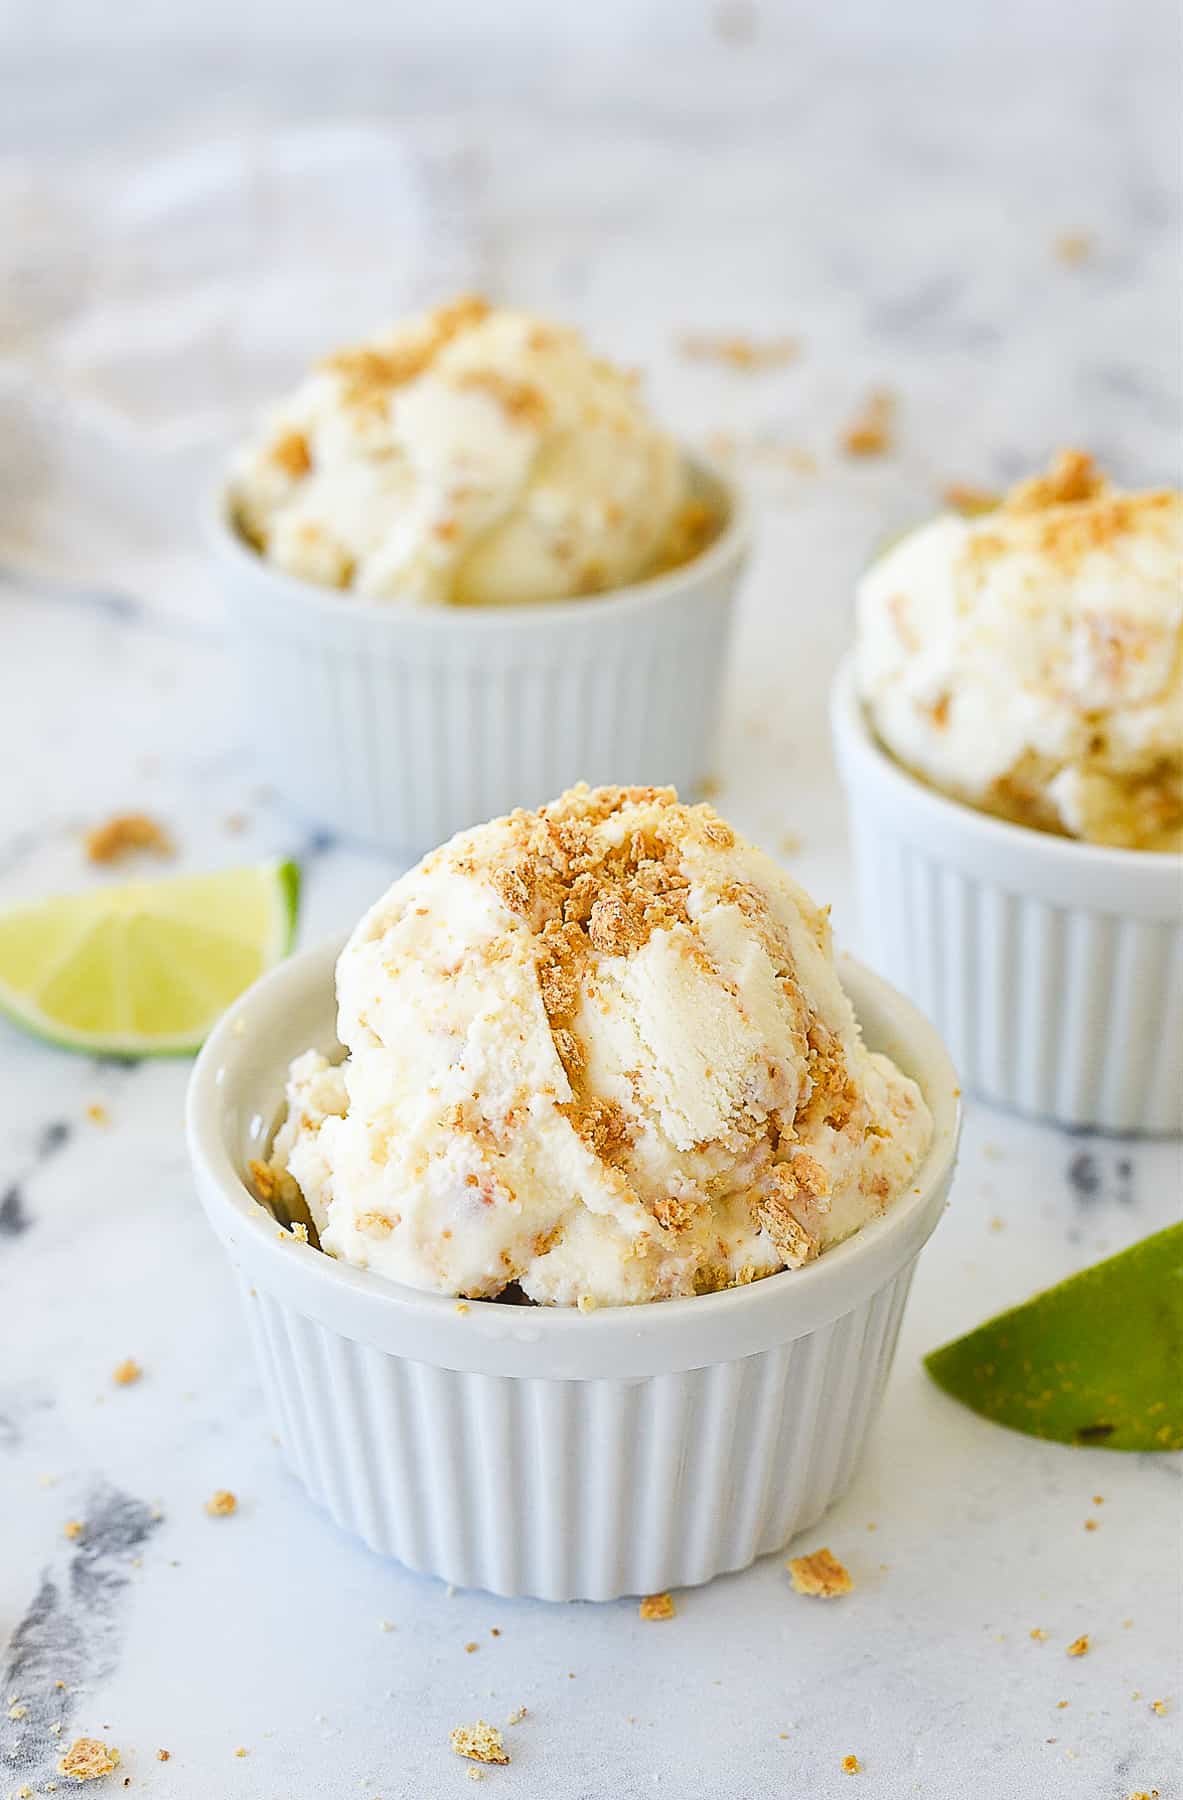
pixel 126 1372
pixel 1090 1524
pixel 240 1751
pixel 1079 1646
pixel 516 1716
pixel 97 1114
pixel 1072 476
pixel 291 454
pixel 299 1231
pixel 972 502
pixel 163 1755
pixel 221 1504
pixel 657 1606
pixel 480 1743
pixel 1074 247
pixel 369 375
pixel 73 1528
pixel 851 1765
pixel 521 403
pixel 1160 1707
pixel 735 350
pixel 869 432
pixel 462 1306
pixel 1039 1636
pixel 125 833
pixel 469 1648
pixel 87 1759
pixel 819 1574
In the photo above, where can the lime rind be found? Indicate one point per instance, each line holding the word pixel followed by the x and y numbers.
pixel 1093 1361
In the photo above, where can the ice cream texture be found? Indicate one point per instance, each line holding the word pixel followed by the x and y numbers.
pixel 600 1051
pixel 472 455
pixel 1030 661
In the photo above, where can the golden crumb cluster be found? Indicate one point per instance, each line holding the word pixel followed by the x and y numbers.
pixel 87 1759
pixel 657 1606
pixel 370 375
pixel 821 1574
pixel 125 833
pixel 221 1504
pixel 480 1743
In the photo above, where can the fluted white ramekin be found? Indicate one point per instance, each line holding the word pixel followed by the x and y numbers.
pixel 1053 969
pixel 400 725
pixel 548 1452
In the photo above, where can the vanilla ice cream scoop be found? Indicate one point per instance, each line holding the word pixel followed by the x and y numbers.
pixel 469 456
pixel 1030 661
pixel 600 1051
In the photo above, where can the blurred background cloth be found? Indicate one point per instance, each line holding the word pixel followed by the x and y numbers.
pixel 195 200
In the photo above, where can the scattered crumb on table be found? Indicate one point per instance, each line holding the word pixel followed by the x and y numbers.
pixel 87 1759
pixel 480 1743
pixel 819 1574
pixel 125 833
pixel 869 433
pixel 657 1606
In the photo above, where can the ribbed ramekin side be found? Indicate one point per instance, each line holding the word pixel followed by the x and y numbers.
pixel 1066 1012
pixel 575 1489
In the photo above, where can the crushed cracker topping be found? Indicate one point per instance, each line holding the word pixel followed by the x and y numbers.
pixel 819 1574
pixel 972 502
pixel 851 1765
pixel 480 1743
pixel 221 1504
pixel 73 1528
pixel 291 453
pixel 1160 1707
pixel 87 1759
pixel 1039 1636
pixel 124 834
pixel 1072 476
pixel 1079 1646
pixel 163 1755
pixel 657 1606
pixel 126 1372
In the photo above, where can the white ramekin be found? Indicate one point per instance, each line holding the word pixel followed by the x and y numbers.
pixel 1053 969
pixel 398 726
pixel 554 1453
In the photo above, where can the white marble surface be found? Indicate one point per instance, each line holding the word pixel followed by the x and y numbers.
pixel 894 208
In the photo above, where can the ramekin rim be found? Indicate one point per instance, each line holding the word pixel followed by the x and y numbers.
pixel 209 1157
pixel 728 548
pixel 851 723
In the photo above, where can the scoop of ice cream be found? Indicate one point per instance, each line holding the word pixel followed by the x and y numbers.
pixel 1030 661
pixel 601 1051
pixel 470 456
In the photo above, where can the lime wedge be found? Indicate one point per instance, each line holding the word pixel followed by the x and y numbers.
pixel 144 969
pixel 1096 1360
